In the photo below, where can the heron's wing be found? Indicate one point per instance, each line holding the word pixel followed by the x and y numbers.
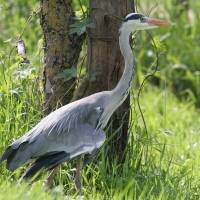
pixel 84 138
pixel 82 114
pixel 79 141
pixel 58 124
pixel 63 121
pixel 51 160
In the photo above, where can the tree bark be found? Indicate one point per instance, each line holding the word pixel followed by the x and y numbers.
pixel 61 51
pixel 106 64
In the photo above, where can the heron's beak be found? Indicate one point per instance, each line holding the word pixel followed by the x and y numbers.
pixel 157 22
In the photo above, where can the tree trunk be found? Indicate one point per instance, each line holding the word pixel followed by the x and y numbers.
pixel 104 57
pixel 106 64
pixel 61 51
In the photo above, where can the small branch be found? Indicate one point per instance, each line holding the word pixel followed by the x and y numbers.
pixel 21 50
pixel 145 79
pixel 80 4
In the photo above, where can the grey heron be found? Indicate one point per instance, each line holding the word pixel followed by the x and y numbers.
pixel 77 128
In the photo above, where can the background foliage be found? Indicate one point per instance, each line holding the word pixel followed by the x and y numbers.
pixel 162 164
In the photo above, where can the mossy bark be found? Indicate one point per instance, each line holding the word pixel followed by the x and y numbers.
pixel 61 51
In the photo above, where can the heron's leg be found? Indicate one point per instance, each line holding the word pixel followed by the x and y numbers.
pixel 49 180
pixel 22 178
pixel 88 157
pixel 78 177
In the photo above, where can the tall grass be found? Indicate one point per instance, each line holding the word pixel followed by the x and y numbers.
pixel 161 165
pixel 178 45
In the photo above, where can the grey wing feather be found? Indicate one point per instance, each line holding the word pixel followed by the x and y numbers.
pixel 70 120
pixel 61 121
pixel 73 144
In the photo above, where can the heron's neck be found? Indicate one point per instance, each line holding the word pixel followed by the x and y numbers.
pixel 122 88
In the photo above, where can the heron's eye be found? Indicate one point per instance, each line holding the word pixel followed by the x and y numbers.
pixel 142 19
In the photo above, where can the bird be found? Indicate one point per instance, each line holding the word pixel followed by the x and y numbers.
pixel 78 127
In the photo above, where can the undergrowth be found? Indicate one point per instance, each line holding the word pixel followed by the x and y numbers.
pixel 162 160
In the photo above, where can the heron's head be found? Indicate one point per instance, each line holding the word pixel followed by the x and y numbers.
pixel 137 21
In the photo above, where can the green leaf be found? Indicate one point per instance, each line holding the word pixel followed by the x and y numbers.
pixel 67 74
pixel 80 27
pixel 161 47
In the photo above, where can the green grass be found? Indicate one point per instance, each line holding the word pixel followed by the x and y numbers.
pixel 24 192
pixel 163 164
pixel 170 170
